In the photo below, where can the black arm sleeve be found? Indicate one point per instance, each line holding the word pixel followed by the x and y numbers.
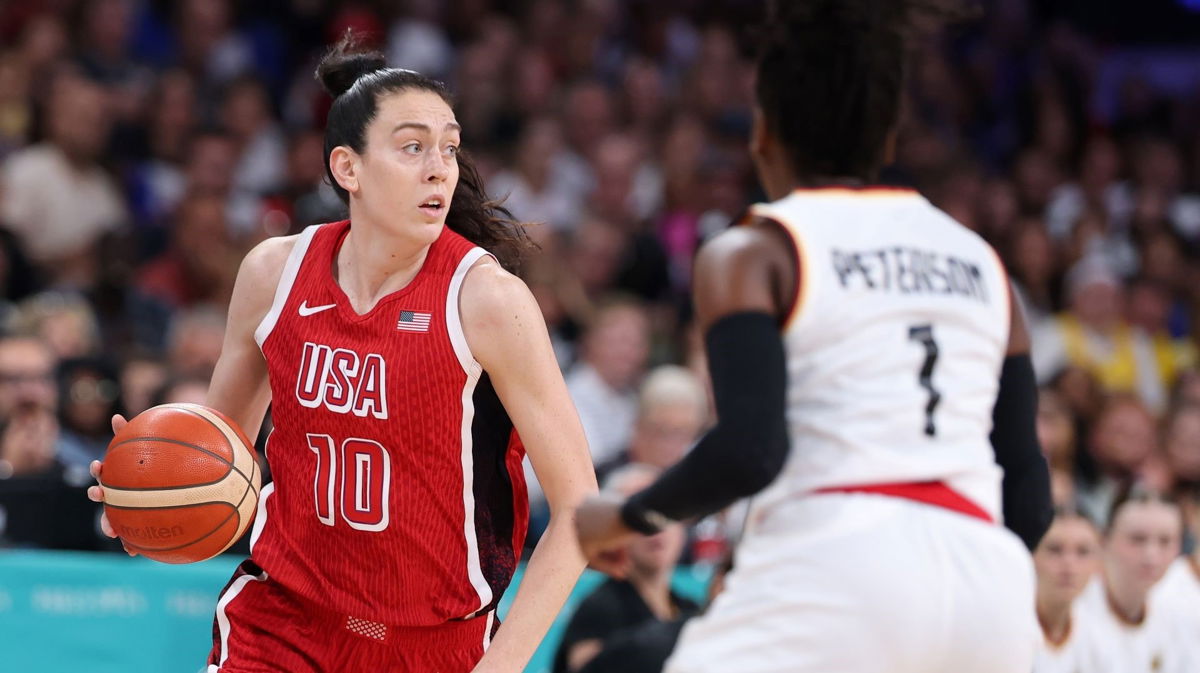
pixel 747 448
pixel 1026 487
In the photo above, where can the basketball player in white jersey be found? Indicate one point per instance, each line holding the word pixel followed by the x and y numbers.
pixel 1132 635
pixel 1066 559
pixel 869 373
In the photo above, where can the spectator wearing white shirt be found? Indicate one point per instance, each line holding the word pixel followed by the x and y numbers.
pixel 1065 560
pixel 58 201
pixel 1133 635
pixel 1178 594
pixel 603 384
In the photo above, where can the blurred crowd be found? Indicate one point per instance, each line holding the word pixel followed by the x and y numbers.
pixel 145 145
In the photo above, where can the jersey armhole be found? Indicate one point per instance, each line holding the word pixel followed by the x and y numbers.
pixel 291 268
pixel 800 285
pixel 454 326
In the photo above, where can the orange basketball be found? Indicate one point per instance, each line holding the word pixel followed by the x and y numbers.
pixel 181 483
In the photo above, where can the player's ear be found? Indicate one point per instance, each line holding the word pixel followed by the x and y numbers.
pixel 344 164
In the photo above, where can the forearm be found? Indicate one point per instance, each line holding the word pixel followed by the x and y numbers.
pixel 550 575
pixel 1026 484
pixel 749 446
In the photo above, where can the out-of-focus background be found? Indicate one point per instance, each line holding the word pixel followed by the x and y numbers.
pixel 145 145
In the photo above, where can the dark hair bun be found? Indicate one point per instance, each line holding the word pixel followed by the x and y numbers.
pixel 342 65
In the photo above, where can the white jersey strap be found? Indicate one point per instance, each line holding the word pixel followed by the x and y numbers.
pixel 290 269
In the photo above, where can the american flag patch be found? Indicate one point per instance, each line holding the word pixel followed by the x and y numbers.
pixel 412 321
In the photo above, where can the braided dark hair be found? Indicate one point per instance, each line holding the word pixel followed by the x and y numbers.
pixel 830 76
pixel 357 80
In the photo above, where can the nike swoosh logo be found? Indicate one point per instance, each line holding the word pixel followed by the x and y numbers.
pixel 306 310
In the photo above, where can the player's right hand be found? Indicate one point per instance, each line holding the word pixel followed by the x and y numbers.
pixel 96 493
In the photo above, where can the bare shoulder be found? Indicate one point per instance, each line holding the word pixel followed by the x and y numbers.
pixel 744 268
pixel 500 317
pixel 493 297
pixel 259 275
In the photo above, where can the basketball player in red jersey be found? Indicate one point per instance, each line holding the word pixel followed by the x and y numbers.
pixel 408 372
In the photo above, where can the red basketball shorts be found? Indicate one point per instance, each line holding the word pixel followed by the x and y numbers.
pixel 262 628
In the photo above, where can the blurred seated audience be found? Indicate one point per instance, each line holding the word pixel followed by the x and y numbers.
pixel 644 597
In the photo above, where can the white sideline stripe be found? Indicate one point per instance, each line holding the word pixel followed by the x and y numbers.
pixel 487 631
pixel 290 268
pixel 458 339
pixel 260 521
pixel 223 619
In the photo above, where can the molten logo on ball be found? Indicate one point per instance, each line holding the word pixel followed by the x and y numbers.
pixel 150 532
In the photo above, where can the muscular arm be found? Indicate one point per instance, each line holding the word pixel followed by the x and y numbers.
pixel 239 387
pixel 1026 485
pixel 508 337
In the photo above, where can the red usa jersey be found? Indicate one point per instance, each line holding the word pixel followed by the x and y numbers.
pixel 397 493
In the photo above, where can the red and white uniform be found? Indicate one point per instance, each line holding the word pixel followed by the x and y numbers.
pixel 398 500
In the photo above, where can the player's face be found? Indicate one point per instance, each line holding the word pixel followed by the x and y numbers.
pixel 409 168
pixel 1065 559
pixel 1142 542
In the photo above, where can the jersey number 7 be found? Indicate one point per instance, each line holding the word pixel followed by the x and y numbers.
pixel 362 471
pixel 924 335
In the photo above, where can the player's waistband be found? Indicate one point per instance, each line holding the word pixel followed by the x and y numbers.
pixel 452 633
pixel 934 493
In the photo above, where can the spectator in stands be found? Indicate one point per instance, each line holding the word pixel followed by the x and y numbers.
pixel 88 398
pixel 672 411
pixel 194 340
pixel 28 401
pixel 65 321
pixel 261 147
pixel 1178 594
pixel 1095 336
pixel 201 262
pixel 1065 560
pixel 644 596
pixel 531 189
pixel 142 375
pixel 1140 542
pixel 1123 441
pixel 1056 435
pixel 1181 442
pixel 57 198
pixel 603 384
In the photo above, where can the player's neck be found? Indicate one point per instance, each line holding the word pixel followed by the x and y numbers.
pixel 372 264
pixel 1127 603
pixel 1055 620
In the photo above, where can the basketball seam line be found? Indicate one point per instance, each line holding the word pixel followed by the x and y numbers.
pixel 168 440
pixel 240 435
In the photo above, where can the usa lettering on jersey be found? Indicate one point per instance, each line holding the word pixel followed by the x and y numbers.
pixel 342 381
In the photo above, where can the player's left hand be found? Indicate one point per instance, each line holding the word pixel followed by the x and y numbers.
pixel 603 537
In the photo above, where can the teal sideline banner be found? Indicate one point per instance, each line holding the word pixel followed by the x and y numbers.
pixel 62 612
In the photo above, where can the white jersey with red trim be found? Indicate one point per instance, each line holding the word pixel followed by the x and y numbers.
pixel 894 347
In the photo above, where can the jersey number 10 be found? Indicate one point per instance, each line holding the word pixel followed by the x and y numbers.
pixel 924 335
pixel 362 471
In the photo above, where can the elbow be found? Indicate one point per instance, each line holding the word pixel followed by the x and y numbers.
pixel 754 469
